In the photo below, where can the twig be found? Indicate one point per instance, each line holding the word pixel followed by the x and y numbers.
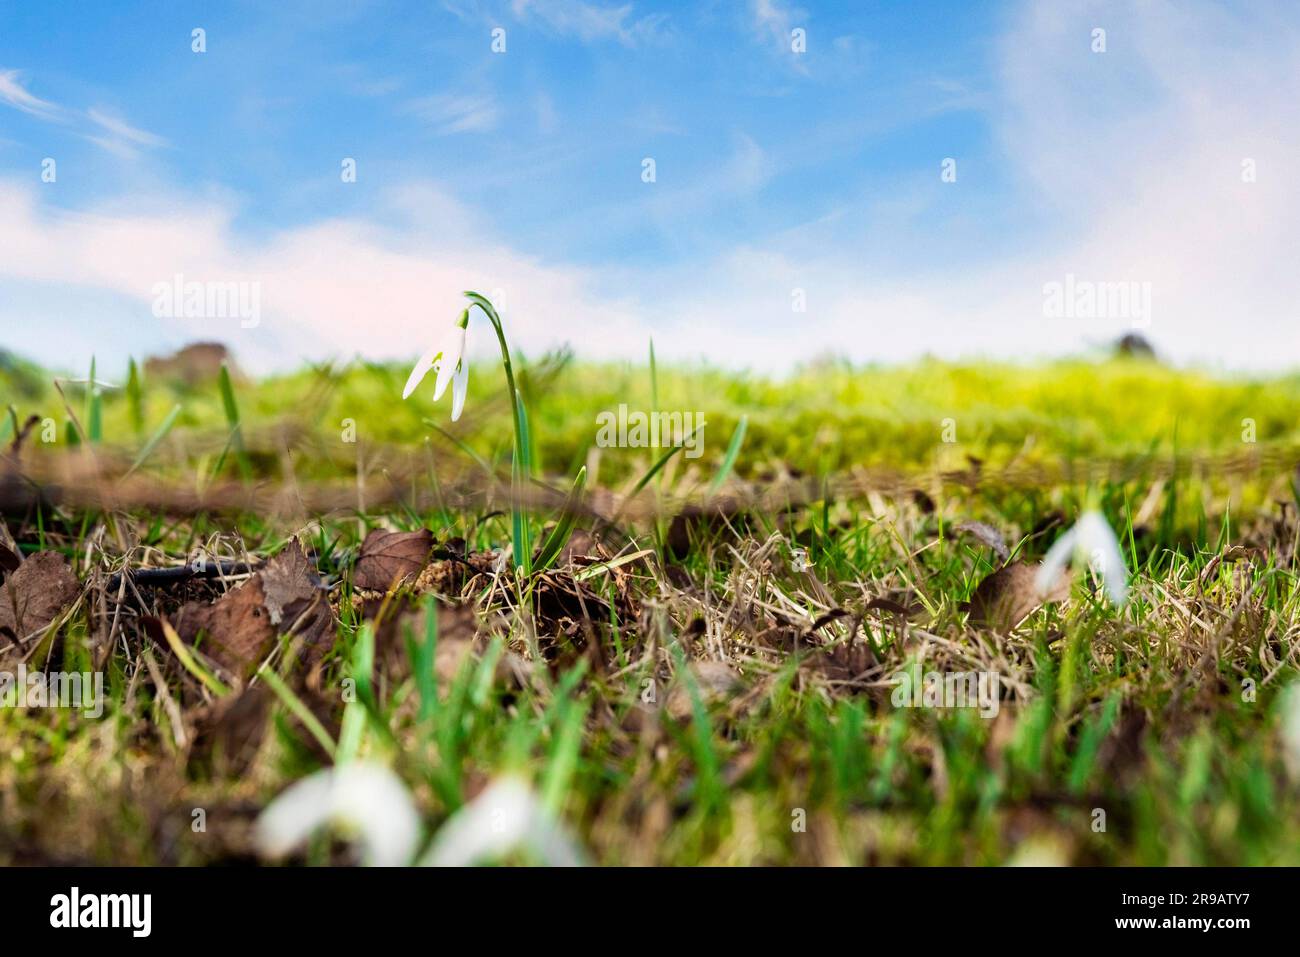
pixel 180 573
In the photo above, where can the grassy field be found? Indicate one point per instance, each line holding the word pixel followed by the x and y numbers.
pixel 705 671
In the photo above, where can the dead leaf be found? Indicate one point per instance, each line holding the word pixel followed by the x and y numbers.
pixel 1009 595
pixel 987 535
pixel 288 579
pixel 389 558
pixel 296 600
pixel 1230 555
pixel 35 593
pixel 235 630
pixel 284 597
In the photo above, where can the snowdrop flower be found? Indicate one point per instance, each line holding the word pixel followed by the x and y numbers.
pixel 366 797
pixel 505 817
pixel 1090 540
pixel 448 357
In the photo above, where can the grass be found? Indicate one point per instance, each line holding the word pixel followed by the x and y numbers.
pixel 704 702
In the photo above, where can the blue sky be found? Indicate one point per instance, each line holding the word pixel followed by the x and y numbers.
pixel 521 172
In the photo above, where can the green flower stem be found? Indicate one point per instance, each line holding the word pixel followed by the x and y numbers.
pixel 521 459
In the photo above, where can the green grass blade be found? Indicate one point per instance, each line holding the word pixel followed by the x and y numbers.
pixel 521 470
pixel 298 709
pixel 558 780
pixel 135 397
pixel 232 419
pixel 559 536
pixel 733 450
pixel 659 464
pixel 159 434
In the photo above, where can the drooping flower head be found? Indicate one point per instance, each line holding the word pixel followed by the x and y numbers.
pixel 1089 542
pixel 365 798
pixel 448 358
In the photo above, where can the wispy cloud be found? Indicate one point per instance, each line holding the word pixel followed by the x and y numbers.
pixel 13 93
pixel 357 81
pixel 772 21
pixel 103 128
pixel 119 137
pixel 591 21
pixel 457 114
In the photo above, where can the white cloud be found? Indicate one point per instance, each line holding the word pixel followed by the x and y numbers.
pixel 457 114
pixel 1134 159
pixel 105 129
pixel 332 288
pixel 772 21
pixel 119 137
pixel 590 21
pixel 13 93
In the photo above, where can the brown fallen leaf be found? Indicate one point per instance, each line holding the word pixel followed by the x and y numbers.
pixel 284 597
pixel 296 600
pixel 388 558
pixel 34 594
pixel 986 535
pixel 1009 595
pixel 1230 555
pixel 287 579
pixel 235 630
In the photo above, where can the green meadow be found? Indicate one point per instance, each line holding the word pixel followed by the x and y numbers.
pixel 697 661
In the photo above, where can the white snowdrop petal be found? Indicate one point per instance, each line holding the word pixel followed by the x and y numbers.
pixel 1098 541
pixel 1089 542
pixel 505 817
pixel 368 798
pixel 459 386
pixel 291 818
pixel 422 367
pixel 1054 562
pixel 452 352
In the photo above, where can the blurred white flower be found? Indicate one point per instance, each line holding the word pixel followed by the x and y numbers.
pixel 1289 706
pixel 448 357
pixel 372 801
pixel 505 817
pixel 364 797
pixel 1090 540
